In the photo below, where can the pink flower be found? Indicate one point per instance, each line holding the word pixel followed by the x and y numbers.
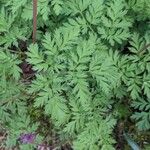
pixel 27 138
pixel 43 147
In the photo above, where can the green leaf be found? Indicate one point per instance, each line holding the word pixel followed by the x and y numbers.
pixel 36 58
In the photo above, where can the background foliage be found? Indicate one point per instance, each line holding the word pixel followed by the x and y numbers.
pixel 90 71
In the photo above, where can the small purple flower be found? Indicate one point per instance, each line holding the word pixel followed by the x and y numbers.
pixel 43 147
pixel 27 138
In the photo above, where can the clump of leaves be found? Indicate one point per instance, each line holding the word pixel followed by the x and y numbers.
pixel 90 55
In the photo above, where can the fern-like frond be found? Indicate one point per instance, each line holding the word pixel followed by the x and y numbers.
pixel 115 27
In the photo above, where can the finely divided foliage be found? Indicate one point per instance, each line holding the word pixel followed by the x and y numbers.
pixel 89 56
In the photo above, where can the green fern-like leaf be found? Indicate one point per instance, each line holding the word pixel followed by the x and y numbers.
pixel 115 25
pixel 142 117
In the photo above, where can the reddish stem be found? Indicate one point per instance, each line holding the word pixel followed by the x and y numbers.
pixel 34 20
